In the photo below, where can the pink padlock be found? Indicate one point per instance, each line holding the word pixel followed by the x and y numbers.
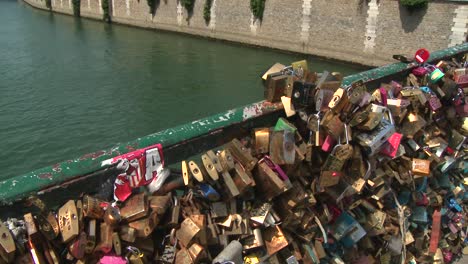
pixel 447 255
pixel 112 259
pixel 419 71
pixel 383 95
pixel 328 143
pixel 391 147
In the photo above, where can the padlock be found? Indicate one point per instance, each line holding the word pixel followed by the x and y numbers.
pixel 7 244
pixel 183 257
pixel 303 95
pixel 242 154
pixel 188 230
pixel 242 179
pixel 371 142
pixel 135 207
pixel 253 241
pixel 47 225
pixel 261 140
pixel 215 160
pixel 230 184
pixel 210 167
pixel 195 171
pixel 259 213
pixel 93 207
pixel 391 147
pixel 333 163
pixel 68 221
pixel 231 253
pixel 226 160
pixel 105 238
pixel 135 256
pixel 174 214
pixel 145 226
pixel 237 227
pixel 332 124
pixel 372 121
pixel 78 246
pixel 116 243
pixel 274 239
pixel 185 173
pixel 277 67
pixel 91 237
pixel 196 252
pixel 268 181
pixel 276 85
pixel 420 167
pixel 169 249
pixel 329 178
pixel 127 234
pixel 360 116
pixel 282 149
pixel 160 204
pixel 212 232
pixel 112 215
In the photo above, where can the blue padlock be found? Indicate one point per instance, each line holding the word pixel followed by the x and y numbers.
pixel 209 192
pixel 452 204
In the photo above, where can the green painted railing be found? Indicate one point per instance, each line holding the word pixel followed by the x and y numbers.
pixel 24 185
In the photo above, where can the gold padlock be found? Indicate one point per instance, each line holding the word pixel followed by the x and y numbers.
pixel 92 207
pixel 274 239
pixel 68 221
pixel 127 234
pixel 91 237
pixel 421 167
pixel 242 178
pixel 117 245
pixel 253 241
pixel 195 171
pixel 78 246
pixel 268 182
pixel 226 159
pixel 261 140
pixel 7 244
pixel 188 230
pixel 242 154
pixel 196 252
pixel 210 167
pixel 135 207
pixel 183 257
pixel 160 204
pixel 230 184
pixel 145 226
pixel 105 242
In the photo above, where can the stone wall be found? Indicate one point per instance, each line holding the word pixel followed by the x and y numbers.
pixel 362 31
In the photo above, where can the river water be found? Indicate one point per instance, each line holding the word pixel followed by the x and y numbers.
pixel 71 86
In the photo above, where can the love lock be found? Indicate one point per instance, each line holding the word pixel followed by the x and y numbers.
pixel 238 226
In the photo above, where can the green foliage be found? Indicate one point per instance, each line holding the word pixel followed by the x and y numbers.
pixel 48 4
pixel 257 7
pixel 105 9
pixel 188 4
pixel 207 11
pixel 76 7
pixel 414 4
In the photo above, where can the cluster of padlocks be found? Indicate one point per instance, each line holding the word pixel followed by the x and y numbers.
pixel 349 176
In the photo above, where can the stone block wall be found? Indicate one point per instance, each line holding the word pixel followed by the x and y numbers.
pixel 361 31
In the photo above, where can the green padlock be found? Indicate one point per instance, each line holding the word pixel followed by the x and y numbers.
pixel 436 74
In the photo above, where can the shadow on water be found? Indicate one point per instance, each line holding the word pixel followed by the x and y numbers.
pixel 78 22
pixel 410 19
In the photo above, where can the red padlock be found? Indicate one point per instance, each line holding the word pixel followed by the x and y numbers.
pixel 422 55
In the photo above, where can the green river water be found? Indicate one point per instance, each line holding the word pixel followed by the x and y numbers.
pixel 71 86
